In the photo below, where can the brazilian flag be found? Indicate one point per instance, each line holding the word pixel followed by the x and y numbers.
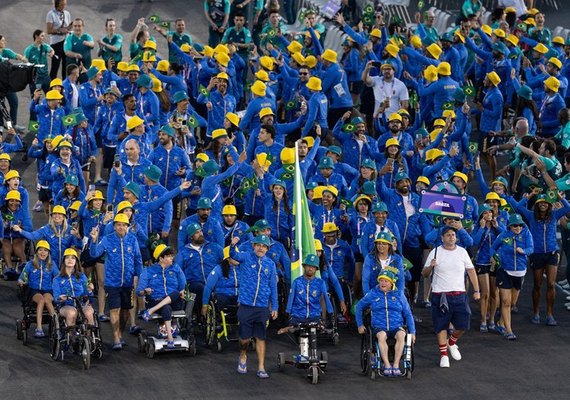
pixel 271 33
pixel 407 264
pixel 346 202
pixel 200 172
pixel 349 128
pixel 70 120
pixel 420 5
pixel 473 147
pixel 33 126
pixel 165 24
pixel 447 106
pixel 204 91
pixel 469 90
pixel 191 122
pixel 254 182
pixel 286 176
pixel 155 19
pixel 552 196
pixel 291 105
pixel 369 9
pixel 508 241
pixel 368 21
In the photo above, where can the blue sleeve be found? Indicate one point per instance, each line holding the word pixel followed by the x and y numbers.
pixel 335 283
pixel 143 282
pixel 210 285
pixel 273 288
pixel 562 211
pixel 292 292
pixel 366 268
pixel 466 240
pixel 357 37
pixel 316 44
pixel 327 299
pixel 362 305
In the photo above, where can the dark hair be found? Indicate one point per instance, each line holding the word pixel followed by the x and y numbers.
pixel 69 69
pixel 269 129
pixel 564 116
pixel 547 216
pixel 323 264
pixel 127 97
pixel 177 68
pixel 550 146
pixel 567 157
pixel 239 13
pixel 108 20
pixel 285 201
pixel 225 268
pixel 37 33
pixel 523 103
pixel 177 20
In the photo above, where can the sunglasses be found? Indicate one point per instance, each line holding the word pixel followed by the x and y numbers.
pixel 516 226
pixel 303 73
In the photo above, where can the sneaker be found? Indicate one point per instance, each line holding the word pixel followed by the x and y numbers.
pixel 262 374
pixel 567 297
pixel 492 326
pixel 510 336
pixel 123 342
pixel 39 333
pixel 535 319
pixel 444 362
pixel 39 206
pixel 550 321
pixel 483 328
pixel 565 286
pixel 146 315
pixel 104 318
pixel 135 330
pixel 500 329
pixel 117 346
pixel 564 282
pixel 170 345
pixel 514 310
pixel 426 304
pixel 454 352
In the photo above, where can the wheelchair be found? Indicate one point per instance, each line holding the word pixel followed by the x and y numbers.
pixel 182 333
pixel 340 319
pixel 81 339
pixel 30 313
pixel 371 362
pixel 308 357
pixel 220 324
pixel 12 274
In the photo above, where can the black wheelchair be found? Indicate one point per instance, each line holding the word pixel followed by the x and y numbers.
pixel 308 357
pixel 30 314
pixel 371 361
pixel 220 324
pixel 182 332
pixel 82 339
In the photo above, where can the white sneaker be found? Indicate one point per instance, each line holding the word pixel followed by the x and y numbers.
pixel 564 282
pixel 444 362
pixel 567 297
pixel 454 351
pixel 567 304
pixel 566 286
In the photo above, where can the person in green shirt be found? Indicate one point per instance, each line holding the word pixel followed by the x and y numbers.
pixel 38 53
pixel 217 14
pixel 111 45
pixel 8 54
pixel 238 35
pixel 564 135
pixel 78 45
pixel 178 35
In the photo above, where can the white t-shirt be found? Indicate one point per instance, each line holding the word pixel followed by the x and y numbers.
pixel 519 5
pixel 58 19
pixel 449 273
pixel 395 90
pixel 408 206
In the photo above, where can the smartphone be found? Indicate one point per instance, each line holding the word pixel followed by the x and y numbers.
pixel 390 162
pixel 74 225
pixel 377 64
pixel 113 84
pixel 109 208
pixel 92 188
pixel 117 161
pixel 418 137
pixel 455 144
pixel 38 86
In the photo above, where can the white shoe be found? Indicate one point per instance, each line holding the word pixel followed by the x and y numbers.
pixel 444 362
pixel 567 304
pixel 567 297
pixel 566 286
pixel 564 282
pixel 454 351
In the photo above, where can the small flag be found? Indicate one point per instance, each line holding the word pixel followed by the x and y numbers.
pixel 473 147
pixel 508 240
pixel 33 126
pixel 155 19
pixel 204 91
pixel 349 128
pixel 447 106
pixel 552 196
pixel 191 122
pixel 407 264
pixel 346 202
pixel 420 5
pixel 291 105
pixel 165 24
pixel 272 33
pixel 369 9
pixel 507 207
pixel 70 119
pixel 469 90
pixel 367 21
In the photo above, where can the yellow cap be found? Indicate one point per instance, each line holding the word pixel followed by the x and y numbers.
pixel 259 89
pixel 330 56
pixel 226 252
pixel 162 65
pixel 58 210
pixel 134 122
pixel 13 195
pixel 229 209
pixel 70 252
pixel 56 82
pixel 362 197
pixel 65 143
pixel 266 62
pixel 556 62
pixel 433 134
pixel 416 41
pixel 533 11
pixel 11 174
pixel 218 133
pixel 510 10
pixel 540 48
pixel 133 68
pixel 148 56
pixel 439 122
pixel 294 47
pixel 98 195
pixel 202 157
pixel 233 118
pixel 185 48
pixel 156 85
pixel 492 196
pixel 122 205
pixel 375 33
pixel 460 36
pixel 434 50
pixel 329 227
pixel 444 69
pixel 223 75
pixel 318 192
pixel 395 117
pixel 99 63
pixel 423 179
pixel 513 39
pixel 43 244
pixel 310 141
pixel 161 248
pixel 264 162
pixel 299 59
pixel 448 113
pixel 392 49
pixel 318 245
pixel 530 21
pixel 53 95
pixel 494 78
pixel 223 59
pixel 287 155
pixel 499 33
pixel 74 206
pixel 430 73
pixel 558 40
pixel 434 154
pixel 149 44
pixel 123 66
pixel 208 51
pixel 314 84
pixel 55 141
pixel 311 61
pixel 332 189
pixel 262 75
pixel 222 48
pixel 392 142
pixel 265 111
pixel 552 83
pixel 121 218
pixel 461 175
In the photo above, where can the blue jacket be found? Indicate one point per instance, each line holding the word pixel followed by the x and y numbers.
pixel 169 162
pixel 492 111
pixel 20 217
pixel 160 219
pixel 162 281
pixel 103 120
pixel 250 121
pixel 335 87
pixel 356 225
pixel 340 258
pixel 69 286
pixel 239 229
pixel 119 125
pixel 211 228
pixel 57 242
pixel 409 226
pixel 505 246
pixel 217 283
pixel 390 310
pixel 90 219
pixel 369 234
pixel 372 267
pixel 84 143
pixel 442 91
pixel 352 153
pixel 258 279
pixel 221 105
pixel 151 110
pixel 549 110
pixel 433 238
pixel 317 113
pixel 130 173
pixel 88 100
pixel 48 123
pixel 278 255
pixel 123 259
pixel 197 264
pixel 305 298
pixel 39 278
pixel 58 178
pixel 483 239
pixel 44 165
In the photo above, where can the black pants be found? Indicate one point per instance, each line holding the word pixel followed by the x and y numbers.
pixel 56 60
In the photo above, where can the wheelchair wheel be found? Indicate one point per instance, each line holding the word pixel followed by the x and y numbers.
pixel 324 359
pixel 314 374
pixel 280 361
pixel 25 337
pixel 150 348
pixel 86 353
pixel 54 343
pixel 210 325
pixel 141 341
pixel 19 330
pixel 365 348
pixel 98 353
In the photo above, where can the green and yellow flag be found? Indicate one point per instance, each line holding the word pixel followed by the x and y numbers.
pixel 70 119
pixel 303 238
pixel 33 126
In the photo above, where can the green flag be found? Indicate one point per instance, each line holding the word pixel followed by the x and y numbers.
pixel 420 5
pixel 349 128
pixel 191 122
pixel 155 19
pixel 473 147
pixel 33 126
pixel 165 24
pixel 70 119
pixel 447 106
pixel 469 90
pixel 204 91
pixel 303 239
pixel 291 105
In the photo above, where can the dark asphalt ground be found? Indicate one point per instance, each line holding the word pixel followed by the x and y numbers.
pixel 534 367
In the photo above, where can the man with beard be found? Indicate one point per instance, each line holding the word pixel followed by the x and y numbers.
pixel 90 94
pixel 396 131
pixel 118 129
pixel 295 89
pixel 390 93
pixel 128 85
pixel 232 226
pixel 198 258
pixel 404 205
pixel 218 102
pixel 381 223
pixel 209 224
pixel 356 146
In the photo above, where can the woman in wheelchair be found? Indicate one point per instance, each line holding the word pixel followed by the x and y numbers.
pixel 223 281
pixel 72 282
pixel 390 313
pixel 304 305
pixel 380 259
pixel 39 274
pixel 15 218
pixel 328 275
pixel 163 282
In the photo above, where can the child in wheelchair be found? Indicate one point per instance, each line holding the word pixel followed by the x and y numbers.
pixel 390 314
pixel 163 283
pixel 38 275
pixel 72 283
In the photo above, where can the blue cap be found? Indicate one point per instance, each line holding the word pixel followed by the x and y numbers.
pixel 179 96
pixel 144 81
pixel 516 219
pixel 261 239
pixel 92 72
pixel 153 173
pixel 134 188
pixel 72 180
pixel 379 207
pixel 369 188
pixel 335 149
pixel 168 130
pixel 401 176
pixel 311 260
pixel 326 163
pixel 204 203
pixel 193 228
pixel 368 163
pixel 210 167
pixel 357 120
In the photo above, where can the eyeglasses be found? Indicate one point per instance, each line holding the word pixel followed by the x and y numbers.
pixel 303 73
pixel 516 226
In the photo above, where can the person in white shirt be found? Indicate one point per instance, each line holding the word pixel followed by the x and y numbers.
pixel 390 93
pixel 449 263
pixel 58 21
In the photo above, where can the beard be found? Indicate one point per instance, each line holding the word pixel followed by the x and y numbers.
pixel 200 240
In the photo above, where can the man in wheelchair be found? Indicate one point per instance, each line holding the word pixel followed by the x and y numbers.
pixel 390 313
pixel 163 283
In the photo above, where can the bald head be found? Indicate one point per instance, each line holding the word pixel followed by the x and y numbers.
pixel 132 149
pixel 521 127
